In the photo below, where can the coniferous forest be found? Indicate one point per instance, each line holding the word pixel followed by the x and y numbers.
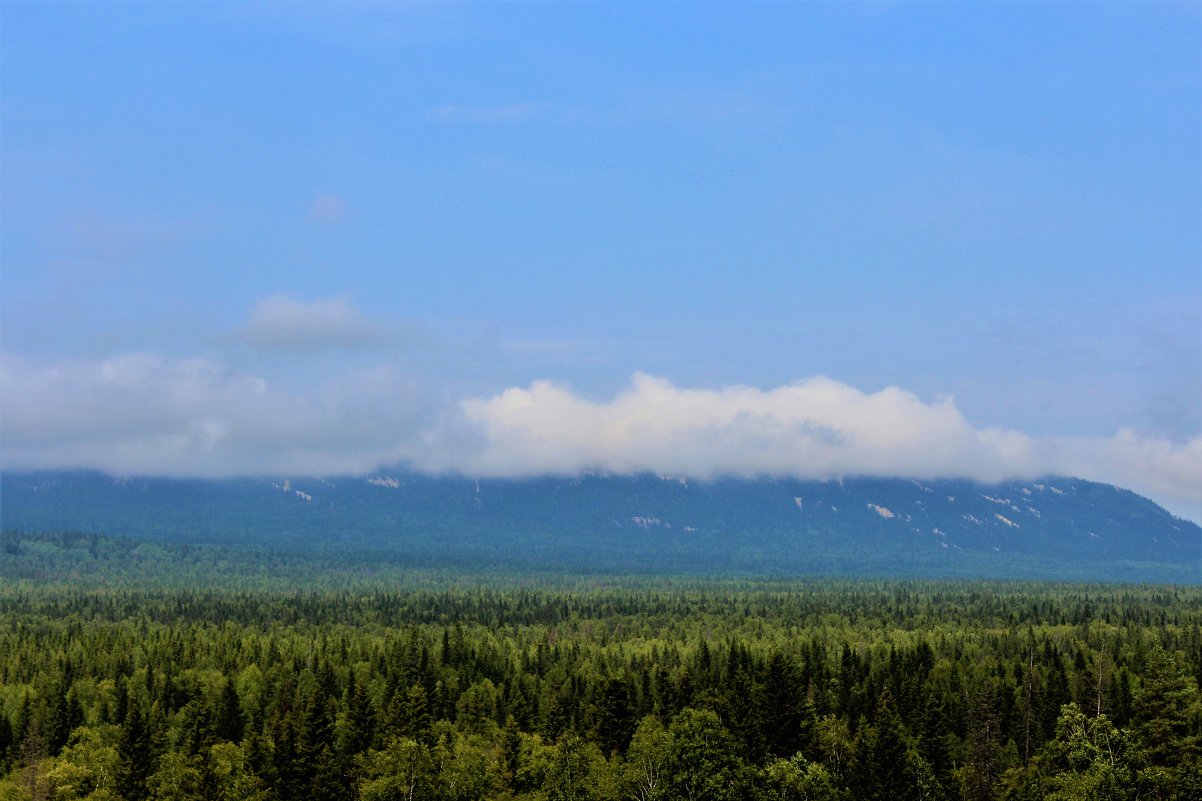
pixel 623 689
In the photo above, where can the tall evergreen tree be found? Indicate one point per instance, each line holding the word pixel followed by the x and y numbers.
pixel 58 721
pixel 782 704
pixel 229 723
pixel 1165 717
pixel 884 766
pixel 135 758
pixel 983 767
pixel 359 720
pixel 613 717
pixel 8 742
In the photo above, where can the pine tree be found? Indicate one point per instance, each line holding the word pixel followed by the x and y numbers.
pixel 315 768
pixel 1161 710
pixel 121 701
pixel 511 751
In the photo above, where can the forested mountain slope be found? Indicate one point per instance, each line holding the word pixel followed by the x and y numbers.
pixel 1055 527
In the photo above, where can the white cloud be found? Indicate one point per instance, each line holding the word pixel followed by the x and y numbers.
pixel 284 323
pixel 817 428
pixel 143 413
pixel 1168 471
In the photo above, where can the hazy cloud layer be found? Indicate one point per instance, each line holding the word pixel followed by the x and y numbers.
pixel 515 112
pixel 327 209
pixel 284 323
pixel 143 413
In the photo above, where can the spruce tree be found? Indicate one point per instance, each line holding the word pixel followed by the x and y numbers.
pixel 7 743
pixel 358 726
pixel 229 723
pixel 782 701
pixel 135 760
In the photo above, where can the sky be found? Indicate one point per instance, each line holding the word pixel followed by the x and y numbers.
pixel 918 239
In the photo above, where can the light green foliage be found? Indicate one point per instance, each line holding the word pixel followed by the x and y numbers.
pixel 1088 760
pixel 177 778
pixel 575 771
pixel 702 764
pixel 232 778
pixel 646 760
pixel 470 767
pixel 798 779
pixel 834 743
pixel 404 771
pixel 86 768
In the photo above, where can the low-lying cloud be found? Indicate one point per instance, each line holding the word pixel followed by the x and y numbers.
pixel 142 413
pixel 815 428
pixel 147 414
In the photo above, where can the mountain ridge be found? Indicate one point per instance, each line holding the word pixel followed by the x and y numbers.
pixel 1053 527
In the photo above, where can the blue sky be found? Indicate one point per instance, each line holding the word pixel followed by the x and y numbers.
pixel 390 215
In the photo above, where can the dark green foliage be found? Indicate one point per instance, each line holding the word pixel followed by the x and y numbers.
pixel 62 716
pixel 1166 718
pixel 983 743
pixel 359 724
pixel 229 723
pixel 885 764
pixel 135 756
pixel 613 715
pixel 8 743
pixel 783 702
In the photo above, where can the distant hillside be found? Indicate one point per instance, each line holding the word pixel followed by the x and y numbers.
pixel 1052 528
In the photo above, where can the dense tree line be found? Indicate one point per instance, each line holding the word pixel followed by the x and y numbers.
pixel 807 691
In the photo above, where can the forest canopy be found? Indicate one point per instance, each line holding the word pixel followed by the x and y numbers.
pixel 815 690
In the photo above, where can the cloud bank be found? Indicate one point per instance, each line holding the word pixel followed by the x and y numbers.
pixel 815 429
pixel 144 413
